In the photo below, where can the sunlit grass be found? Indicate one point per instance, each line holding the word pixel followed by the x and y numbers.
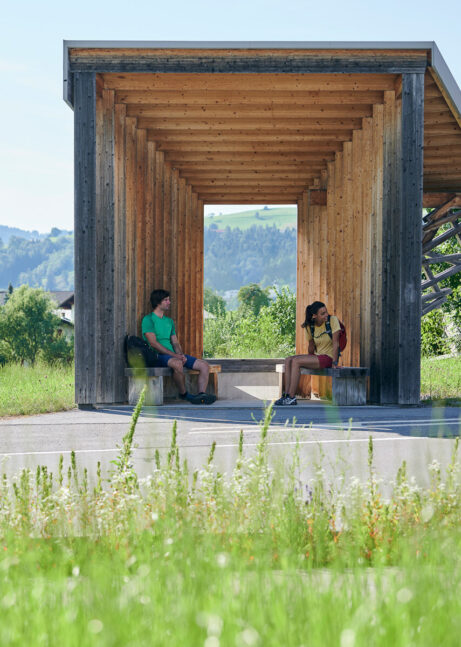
pixel 441 378
pixel 243 559
pixel 26 390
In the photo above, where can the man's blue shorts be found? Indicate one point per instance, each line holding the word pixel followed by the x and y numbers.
pixel 163 360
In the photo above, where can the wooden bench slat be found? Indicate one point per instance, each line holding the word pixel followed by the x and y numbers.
pixel 159 371
pixel 340 371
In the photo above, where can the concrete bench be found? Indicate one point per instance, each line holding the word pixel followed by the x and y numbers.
pixel 348 383
pixel 159 388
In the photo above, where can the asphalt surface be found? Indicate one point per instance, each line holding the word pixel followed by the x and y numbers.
pixel 334 437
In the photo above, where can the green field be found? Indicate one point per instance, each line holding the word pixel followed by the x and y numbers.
pixel 280 217
pixel 250 559
pixel 26 390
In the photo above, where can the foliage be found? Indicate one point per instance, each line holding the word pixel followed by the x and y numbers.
pixel 251 558
pixel 271 333
pixel 60 350
pixel 433 338
pixel 27 323
pixel 212 302
pixel 27 390
pixel 252 298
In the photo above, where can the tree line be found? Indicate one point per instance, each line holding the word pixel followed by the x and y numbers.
pixel 232 257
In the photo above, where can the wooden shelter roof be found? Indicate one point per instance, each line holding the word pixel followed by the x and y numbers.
pixel 258 122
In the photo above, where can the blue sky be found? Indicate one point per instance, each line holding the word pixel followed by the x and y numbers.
pixel 36 152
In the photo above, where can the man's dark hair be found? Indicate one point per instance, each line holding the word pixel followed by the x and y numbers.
pixel 157 297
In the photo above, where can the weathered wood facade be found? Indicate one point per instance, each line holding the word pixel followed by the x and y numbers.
pixel 161 130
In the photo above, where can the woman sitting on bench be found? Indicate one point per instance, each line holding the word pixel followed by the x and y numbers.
pixel 323 333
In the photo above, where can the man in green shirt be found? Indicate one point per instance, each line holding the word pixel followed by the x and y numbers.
pixel 159 332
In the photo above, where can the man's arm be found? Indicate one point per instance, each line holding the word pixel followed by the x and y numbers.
pixel 177 346
pixel 152 339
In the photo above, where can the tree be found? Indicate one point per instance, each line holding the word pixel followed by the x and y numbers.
pixel 27 323
pixel 253 297
pixel 213 302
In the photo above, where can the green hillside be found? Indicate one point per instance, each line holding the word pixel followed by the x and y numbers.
pixel 280 217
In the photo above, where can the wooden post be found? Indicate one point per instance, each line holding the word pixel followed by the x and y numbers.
pixel 120 253
pixel 85 236
pixel 412 124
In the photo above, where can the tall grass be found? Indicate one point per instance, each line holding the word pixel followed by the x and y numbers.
pixel 35 389
pixel 248 558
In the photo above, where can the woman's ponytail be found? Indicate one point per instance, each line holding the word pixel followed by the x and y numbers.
pixel 310 311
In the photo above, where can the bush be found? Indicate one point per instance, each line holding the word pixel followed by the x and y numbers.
pixel 29 328
pixel 433 339
pixel 60 350
pixel 271 333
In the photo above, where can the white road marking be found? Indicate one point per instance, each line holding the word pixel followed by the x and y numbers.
pixel 287 442
pixel 347 441
pixel 62 451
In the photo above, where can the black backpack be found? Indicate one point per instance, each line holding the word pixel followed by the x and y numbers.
pixel 138 353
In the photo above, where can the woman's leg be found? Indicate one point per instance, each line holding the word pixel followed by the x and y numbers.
pixel 297 363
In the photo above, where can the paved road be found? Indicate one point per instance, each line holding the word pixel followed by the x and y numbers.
pixel 337 437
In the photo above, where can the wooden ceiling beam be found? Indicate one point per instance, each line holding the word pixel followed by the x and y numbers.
pixel 198 156
pixel 276 97
pixel 252 81
pixel 243 146
pixel 235 136
pixel 257 111
pixel 249 176
pixel 268 123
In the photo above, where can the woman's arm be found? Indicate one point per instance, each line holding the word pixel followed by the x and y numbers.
pixel 311 347
pixel 335 340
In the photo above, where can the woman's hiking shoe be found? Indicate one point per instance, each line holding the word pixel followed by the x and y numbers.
pixel 284 401
pixel 202 398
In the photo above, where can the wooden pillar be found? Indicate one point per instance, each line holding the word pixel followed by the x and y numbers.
pixel 85 236
pixel 99 244
pixel 410 253
pixel 140 226
pixel 130 211
pixel 120 254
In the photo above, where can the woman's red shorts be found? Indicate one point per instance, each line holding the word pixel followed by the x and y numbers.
pixel 325 361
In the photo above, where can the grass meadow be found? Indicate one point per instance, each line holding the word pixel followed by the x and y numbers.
pixel 280 217
pixel 243 559
pixel 26 390
pixel 441 378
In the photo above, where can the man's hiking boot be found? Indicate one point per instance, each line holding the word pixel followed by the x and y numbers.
pixel 186 396
pixel 281 401
pixel 203 398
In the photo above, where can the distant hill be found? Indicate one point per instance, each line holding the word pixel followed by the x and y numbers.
pixel 46 261
pixel 280 217
pixel 8 232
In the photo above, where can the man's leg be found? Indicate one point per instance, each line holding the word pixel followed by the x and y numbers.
pixel 178 374
pixel 204 371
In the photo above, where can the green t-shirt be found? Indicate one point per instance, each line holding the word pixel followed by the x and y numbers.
pixel 162 327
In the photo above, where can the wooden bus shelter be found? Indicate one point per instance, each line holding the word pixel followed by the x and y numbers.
pixel 360 136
